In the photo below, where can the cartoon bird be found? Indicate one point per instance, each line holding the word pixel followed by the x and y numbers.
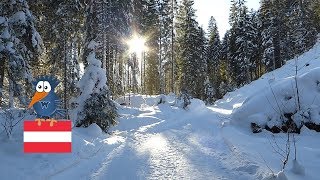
pixel 45 101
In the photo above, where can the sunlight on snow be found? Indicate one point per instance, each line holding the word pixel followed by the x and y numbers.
pixel 157 144
pixel 163 154
pixel 221 111
pixel 88 143
pixel 237 105
pixel 114 140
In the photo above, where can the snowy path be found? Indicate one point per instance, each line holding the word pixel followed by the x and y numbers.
pixel 175 145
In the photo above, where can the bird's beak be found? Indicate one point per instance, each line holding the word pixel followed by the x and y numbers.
pixel 37 97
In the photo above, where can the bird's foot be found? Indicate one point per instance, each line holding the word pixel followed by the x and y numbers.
pixel 39 121
pixel 51 121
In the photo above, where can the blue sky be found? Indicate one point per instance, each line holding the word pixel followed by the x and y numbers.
pixel 218 9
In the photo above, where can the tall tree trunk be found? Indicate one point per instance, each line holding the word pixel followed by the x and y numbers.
pixel 104 38
pixel 172 43
pixel 2 68
pixel 11 93
pixel 65 79
pixel 160 57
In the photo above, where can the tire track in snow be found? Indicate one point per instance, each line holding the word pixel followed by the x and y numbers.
pixel 241 161
pixel 81 168
pixel 98 173
pixel 165 161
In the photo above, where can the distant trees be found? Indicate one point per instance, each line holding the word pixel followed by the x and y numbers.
pixel 287 30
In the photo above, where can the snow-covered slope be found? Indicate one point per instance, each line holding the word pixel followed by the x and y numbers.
pixel 262 102
pixel 268 106
pixel 306 62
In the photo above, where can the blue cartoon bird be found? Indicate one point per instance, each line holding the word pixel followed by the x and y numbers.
pixel 45 101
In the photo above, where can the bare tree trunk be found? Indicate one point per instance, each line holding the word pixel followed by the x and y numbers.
pixel 141 77
pixel 144 72
pixel 65 79
pixel 172 43
pixel 2 68
pixel 11 93
pixel 104 38
pixel 160 57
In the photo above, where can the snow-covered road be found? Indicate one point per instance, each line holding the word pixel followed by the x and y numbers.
pixel 165 142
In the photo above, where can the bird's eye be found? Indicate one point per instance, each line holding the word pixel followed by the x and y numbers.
pixel 47 86
pixel 39 86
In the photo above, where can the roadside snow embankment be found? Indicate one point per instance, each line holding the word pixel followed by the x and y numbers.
pixel 270 106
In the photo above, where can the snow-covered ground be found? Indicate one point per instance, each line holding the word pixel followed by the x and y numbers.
pixel 163 141
pixel 150 142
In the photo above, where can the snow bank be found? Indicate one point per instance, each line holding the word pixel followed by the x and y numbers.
pixel 267 106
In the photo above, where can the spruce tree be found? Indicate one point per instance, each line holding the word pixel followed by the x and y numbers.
pixel 20 47
pixel 239 43
pixel 94 104
pixel 151 28
pixel 268 30
pixel 190 62
pixel 214 54
pixel 302 33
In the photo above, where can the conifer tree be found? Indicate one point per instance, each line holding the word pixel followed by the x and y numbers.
pixel 94 104
pixel 213 53
pixel 20 47
pixel 191 49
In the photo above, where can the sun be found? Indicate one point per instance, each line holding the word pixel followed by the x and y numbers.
pixel 137 45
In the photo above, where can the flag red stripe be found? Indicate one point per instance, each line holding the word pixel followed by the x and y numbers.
pixel 45 126
pixel 47 147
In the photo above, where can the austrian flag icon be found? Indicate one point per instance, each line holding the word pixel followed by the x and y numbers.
pixel 46 138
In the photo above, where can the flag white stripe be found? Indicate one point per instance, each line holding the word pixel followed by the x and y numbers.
pixel 45 136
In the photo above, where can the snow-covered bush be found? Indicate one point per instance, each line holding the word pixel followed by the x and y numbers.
pixel 99 109
pixel 94 105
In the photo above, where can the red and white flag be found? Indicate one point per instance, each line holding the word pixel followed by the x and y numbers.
pixel 47 139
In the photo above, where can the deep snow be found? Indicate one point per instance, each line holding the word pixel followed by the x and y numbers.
pixel 163 141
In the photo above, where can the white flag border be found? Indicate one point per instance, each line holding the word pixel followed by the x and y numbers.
pixel 47 136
